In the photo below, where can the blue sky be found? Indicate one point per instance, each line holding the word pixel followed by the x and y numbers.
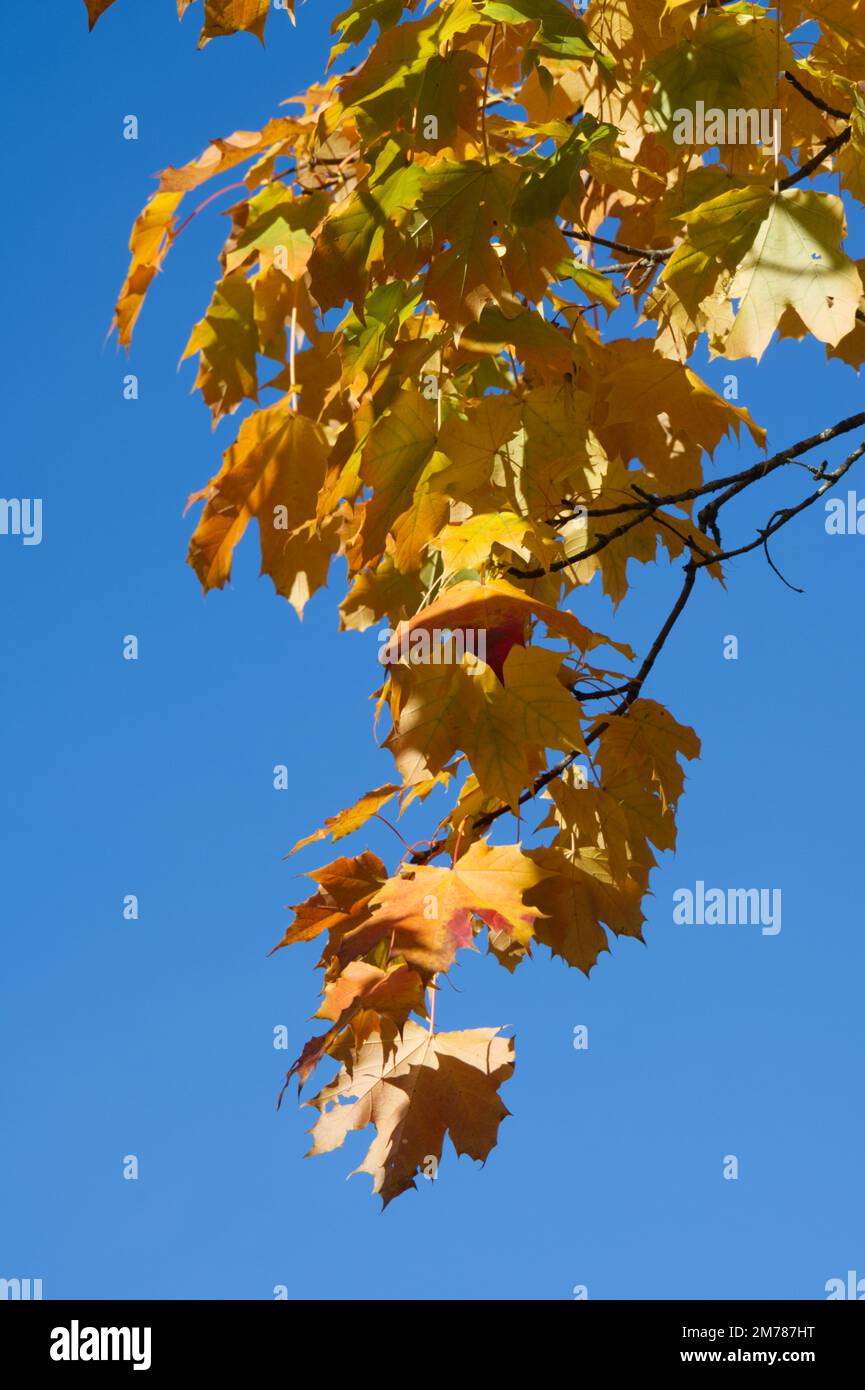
pixel 154 1037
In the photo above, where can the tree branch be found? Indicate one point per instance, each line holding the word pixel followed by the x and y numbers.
pixel 823 153
pixel 786 514
pixel 815 100
pixel 626 250
pixel 631 689
pixel 706 520
pixel 597 545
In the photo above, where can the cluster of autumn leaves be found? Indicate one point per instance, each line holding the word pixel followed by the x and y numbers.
pixel 413 312
pixel 221 17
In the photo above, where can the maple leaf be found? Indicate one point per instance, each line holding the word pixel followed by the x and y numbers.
pixel 449 97
pixel 462 205
pixel 667 405
pixel 729 63
pixel 652 737
pixel 226 341
pixel 782 251
pixel 273 473
pixel 354 24
pixel 470 441
pixel 221 17
pixel 275 223
pixel 224 154
pixel 389 80
pixel 366 999
pixel 399 449
pixel 421 916
pixel 479 707
pixel 516 718
pixel 546 350
pixel 154 230
pixel 429 1086
pixel 354 236
pixel 495 880
pixel 149 243
pixel 346 822
pixel 426 914
pixel 396 991
pixel 466 545
pixel 577 897
pixel 346 887
pixel 497 604
pixel 560 33
pixel 377 593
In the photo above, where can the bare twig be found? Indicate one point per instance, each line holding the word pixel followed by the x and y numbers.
pixel 626 250
pixel 650 503
pixel 785 514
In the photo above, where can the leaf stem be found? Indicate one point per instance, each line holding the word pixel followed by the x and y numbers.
pixel 292 395
pixel 493 41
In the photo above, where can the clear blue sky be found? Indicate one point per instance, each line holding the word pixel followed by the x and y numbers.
pixel 155 778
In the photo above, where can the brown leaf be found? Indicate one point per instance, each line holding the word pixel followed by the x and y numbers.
pixel 345 888
pixel 96 8
pixel 430 1086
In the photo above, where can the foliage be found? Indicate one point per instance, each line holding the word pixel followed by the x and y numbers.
pixel 443 388
pixel 221 17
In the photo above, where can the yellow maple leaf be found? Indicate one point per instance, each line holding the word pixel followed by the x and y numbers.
pixel 782 251
pixel 347 821
pixel 273 473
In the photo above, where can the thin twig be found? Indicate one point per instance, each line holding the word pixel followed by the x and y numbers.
pixel 787 513
pixel 493 40
pixel 626 250
pixel 815 100
pixel 823 153
pixel 384 820
pixel 229 188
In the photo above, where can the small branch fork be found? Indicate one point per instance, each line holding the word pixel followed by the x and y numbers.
pixel 639 253
pixel 730 486
pixel 698 559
